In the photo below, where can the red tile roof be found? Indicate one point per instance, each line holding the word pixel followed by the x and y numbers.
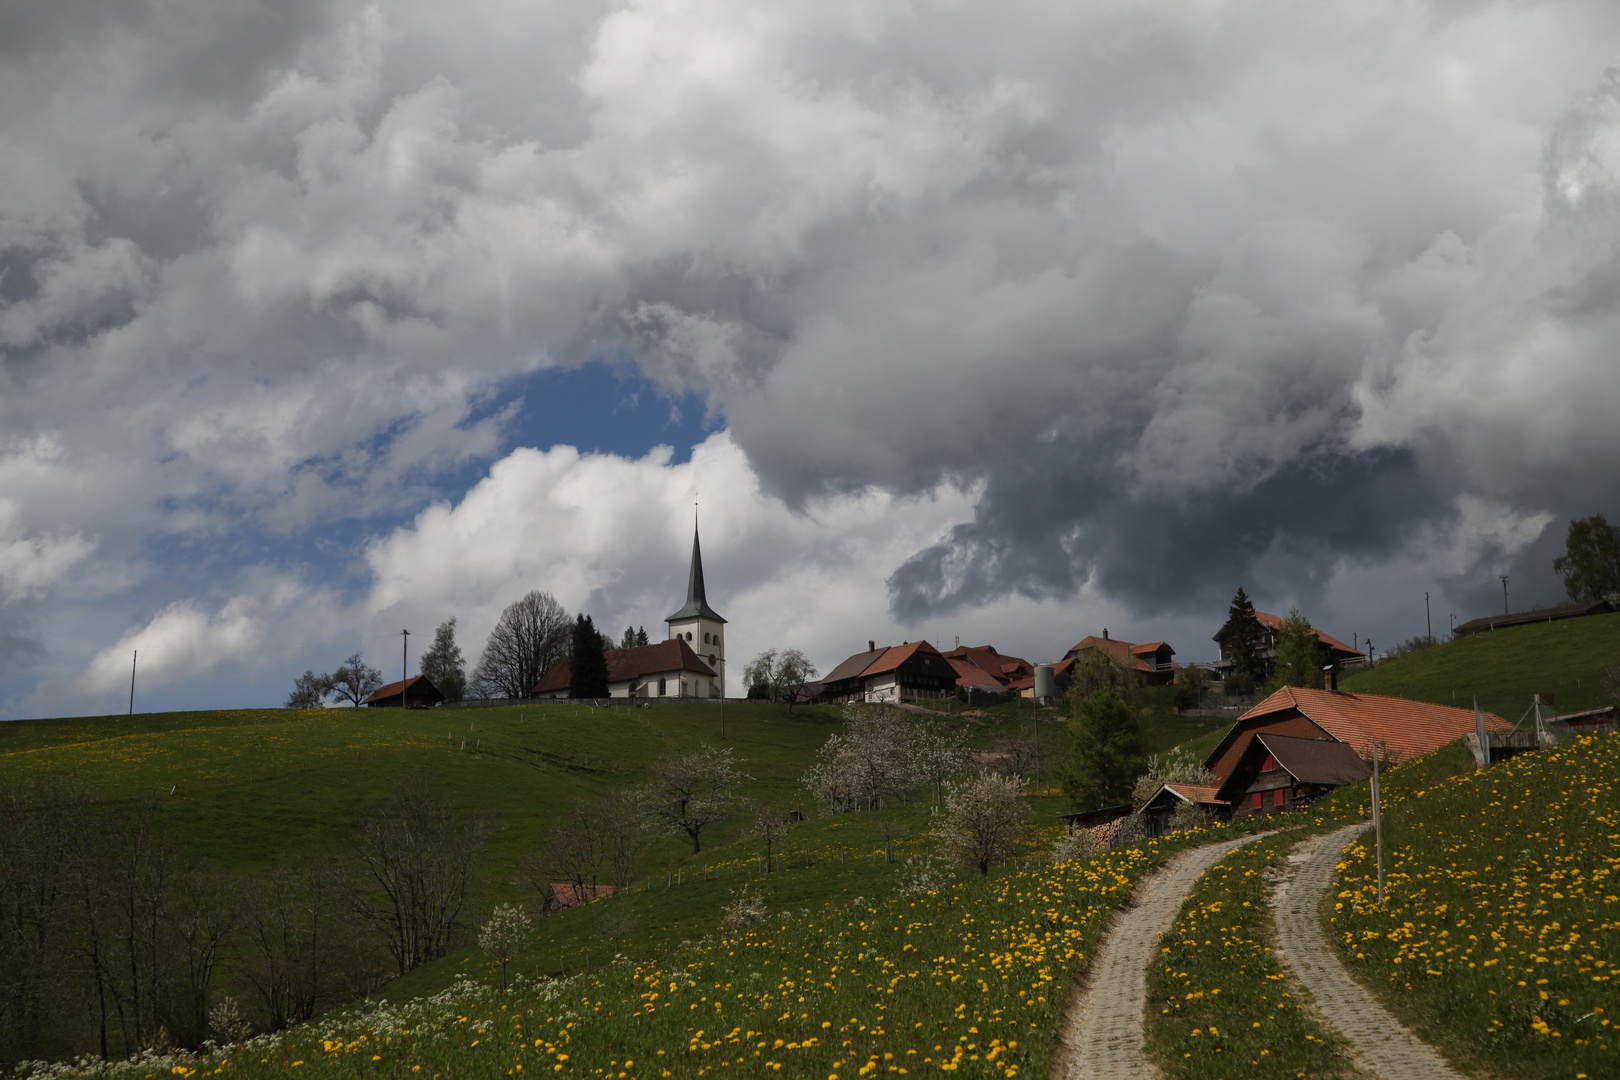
pixel 565 894
pixel 626 664
pixel 1121 651
pixel 854 666
pixel 1196 793
pixel 895 655
pixel 1273 623
pixel 1404 728
pixel 392 690
pixel 987 659
pixel 970 674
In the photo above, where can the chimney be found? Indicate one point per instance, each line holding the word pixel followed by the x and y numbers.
pixel 1105 633
pixel 871 646
pixel 1330 677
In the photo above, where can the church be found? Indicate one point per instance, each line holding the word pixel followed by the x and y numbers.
pixel 689 663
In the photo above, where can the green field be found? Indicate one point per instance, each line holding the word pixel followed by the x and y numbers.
pixel 1505 668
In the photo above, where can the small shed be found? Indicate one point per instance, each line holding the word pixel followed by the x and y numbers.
pixel 1283 772
pixel 1164 802
pixel 566 894
pixel 417 692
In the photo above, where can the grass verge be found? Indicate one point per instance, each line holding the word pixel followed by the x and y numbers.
pixel 1218 1004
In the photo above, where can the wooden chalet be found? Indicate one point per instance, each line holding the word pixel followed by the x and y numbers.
pixel 895 673
pixel 1151 661
pixel 416 692
pixel 1276 773
pixel 1334 651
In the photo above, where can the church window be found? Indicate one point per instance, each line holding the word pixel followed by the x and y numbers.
pixel 705 637
pixel 661 688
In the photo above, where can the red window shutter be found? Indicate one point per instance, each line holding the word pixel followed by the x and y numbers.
pixel 1268 764
pixel 1277 799
pixel 1257 798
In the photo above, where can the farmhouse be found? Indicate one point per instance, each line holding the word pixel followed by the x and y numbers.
pixel 663 669
pixel 894 673
pixel 1281 772
pixel 415 693
pixel 1403 729
pixel 1150 661
pixel 1333 650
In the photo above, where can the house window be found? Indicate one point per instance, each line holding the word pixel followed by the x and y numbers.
pixel 1268 764
pixel 1277 799
pixel 1255 805
pixel 661 690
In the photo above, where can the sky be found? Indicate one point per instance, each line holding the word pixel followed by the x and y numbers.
pixel 324 319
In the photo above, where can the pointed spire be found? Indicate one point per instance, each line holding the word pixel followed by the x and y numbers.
pixel 697 602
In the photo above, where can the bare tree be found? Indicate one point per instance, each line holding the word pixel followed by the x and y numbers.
pixel 287 934
pixel 1019 756
pixel 692 792
pixel 355 680
pixel 770 828
pixel 871 762
pixel 531 634
pixel 985 820
pixel 782 675
pixel 412 861
pixel 574 853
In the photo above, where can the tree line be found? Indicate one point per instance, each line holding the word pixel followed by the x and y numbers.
pixel 532 634
pixel 114 939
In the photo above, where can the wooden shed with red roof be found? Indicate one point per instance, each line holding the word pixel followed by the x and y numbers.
pixel 894 673
pixel 1402 728
pixel 417 692
pixel 1163 803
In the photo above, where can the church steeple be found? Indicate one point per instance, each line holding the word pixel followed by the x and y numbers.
pixel 697 603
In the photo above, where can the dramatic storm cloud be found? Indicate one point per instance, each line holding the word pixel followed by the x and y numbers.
pixel 982 319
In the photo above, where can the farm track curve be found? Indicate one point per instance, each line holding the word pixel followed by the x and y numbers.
pixel 1384 1045
pixel 1103 1033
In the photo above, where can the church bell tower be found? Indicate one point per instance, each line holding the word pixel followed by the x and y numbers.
pixel 699 624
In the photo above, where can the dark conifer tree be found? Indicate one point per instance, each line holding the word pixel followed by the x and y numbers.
pixel 588 674
pixel 641 636
pixel 1241 637
pixel 629 639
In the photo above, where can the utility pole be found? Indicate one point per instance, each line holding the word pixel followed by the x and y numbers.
pixel 1378 823
pixel 1504 594
pixel 404 640
pixel 132 659
pixel 1428 622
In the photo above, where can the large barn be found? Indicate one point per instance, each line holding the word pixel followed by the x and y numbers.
pixel 1401 728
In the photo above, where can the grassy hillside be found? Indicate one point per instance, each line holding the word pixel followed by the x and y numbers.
pixel 1500 934
pixel 1505 668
